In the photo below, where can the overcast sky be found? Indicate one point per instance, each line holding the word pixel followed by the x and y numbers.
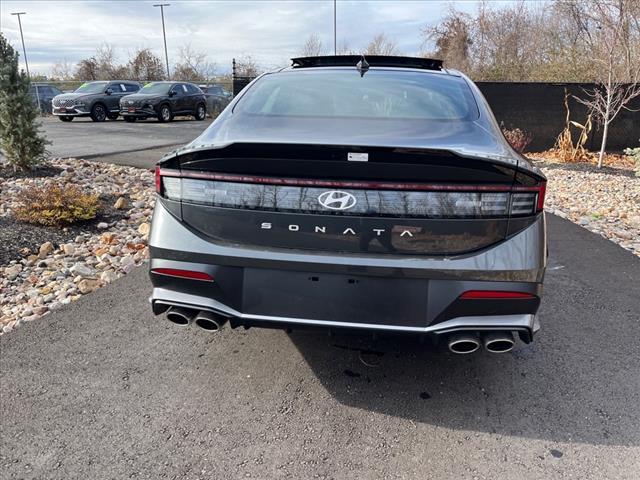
pixel 271 31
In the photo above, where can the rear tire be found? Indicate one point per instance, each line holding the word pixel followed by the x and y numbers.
pixel 65 118
pixel 201 112
pixel 164 113
pixel 98 113
pixel 130 119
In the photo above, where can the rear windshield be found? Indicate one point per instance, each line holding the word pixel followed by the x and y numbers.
pixel 378 94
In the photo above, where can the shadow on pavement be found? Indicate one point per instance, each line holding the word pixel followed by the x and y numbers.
pixel 579 381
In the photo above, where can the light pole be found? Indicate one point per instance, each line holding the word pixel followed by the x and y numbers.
pixel 164 34
pixel 24 51
pixel 335 41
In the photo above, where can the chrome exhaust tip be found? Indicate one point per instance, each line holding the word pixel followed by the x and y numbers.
pixel 463 343
pixel 209 321
pixel 498 342
pixel 180 316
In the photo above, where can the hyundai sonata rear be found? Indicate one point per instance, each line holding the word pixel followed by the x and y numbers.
pixel 375 194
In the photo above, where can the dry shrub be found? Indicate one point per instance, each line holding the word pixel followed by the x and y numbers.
pixel 518 139
pixel 565 150
pixel 56 204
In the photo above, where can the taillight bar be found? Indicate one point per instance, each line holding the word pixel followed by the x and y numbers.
pixel 305 182
pixel 494 294
pixel 179 273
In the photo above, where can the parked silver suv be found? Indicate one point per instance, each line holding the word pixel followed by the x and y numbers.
pixel 99 100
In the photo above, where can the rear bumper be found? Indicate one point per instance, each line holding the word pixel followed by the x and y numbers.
pixel 279 287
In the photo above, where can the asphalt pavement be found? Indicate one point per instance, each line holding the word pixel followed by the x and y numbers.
pixel 102 389
pixel 138 144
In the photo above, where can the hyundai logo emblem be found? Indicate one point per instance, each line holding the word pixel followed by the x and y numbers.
pixel 337 200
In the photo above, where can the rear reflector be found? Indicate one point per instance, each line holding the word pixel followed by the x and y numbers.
pixel 542 191
pixel 190 274
pixel 158 180
pixel 493 294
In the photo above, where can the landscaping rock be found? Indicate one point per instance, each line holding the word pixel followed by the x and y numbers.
pixel 121 203
pixel 144 228
pixel 45 249
pixel 81 270
pixel 69 249
pixel 88 285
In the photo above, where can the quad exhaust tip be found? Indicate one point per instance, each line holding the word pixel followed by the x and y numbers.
pixel 493 342
pixel 498 342
pixel 180 316
pixel 210 321
pixel 463 343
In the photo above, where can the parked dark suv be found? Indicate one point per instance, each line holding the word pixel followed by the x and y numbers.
pixel 164 100
pixel 45 94
pixel 98 100
pixel 375 194
pixel 217 98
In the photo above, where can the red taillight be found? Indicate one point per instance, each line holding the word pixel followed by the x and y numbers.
pixel 158 180
pixel 190 274
pixel 493 294
pixel 542 190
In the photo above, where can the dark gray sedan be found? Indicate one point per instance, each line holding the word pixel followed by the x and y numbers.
pixel 374 194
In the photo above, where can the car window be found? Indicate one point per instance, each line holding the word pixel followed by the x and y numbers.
pixel 192 89
pixel 177 90
pixel 184 88
pixel 131 87
pixel 377 94
pixel 156 88
pixel 92 87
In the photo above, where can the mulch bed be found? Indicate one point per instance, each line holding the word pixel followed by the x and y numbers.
pixel 16 235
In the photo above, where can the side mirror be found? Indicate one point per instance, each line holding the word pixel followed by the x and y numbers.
pixel 108 91
pixel 172 93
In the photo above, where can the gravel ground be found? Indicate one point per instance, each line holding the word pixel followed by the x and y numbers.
pixel 606 201
pixel 66 265
pixel 44 268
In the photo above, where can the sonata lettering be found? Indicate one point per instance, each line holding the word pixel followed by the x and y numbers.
pixel 323 229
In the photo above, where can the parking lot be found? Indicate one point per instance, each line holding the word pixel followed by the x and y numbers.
pixel 103 389
pixel 138 144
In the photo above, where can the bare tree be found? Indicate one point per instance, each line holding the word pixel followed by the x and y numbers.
pixel 62 70
pixel 107 66
pixel 87 69
pixel 530 41
pixel 615 45
pixel 193 65
pixel 381 45
pixel 145 65
pixel 246 66
pixel 452 39
pixel 312 46
pixel 101 66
